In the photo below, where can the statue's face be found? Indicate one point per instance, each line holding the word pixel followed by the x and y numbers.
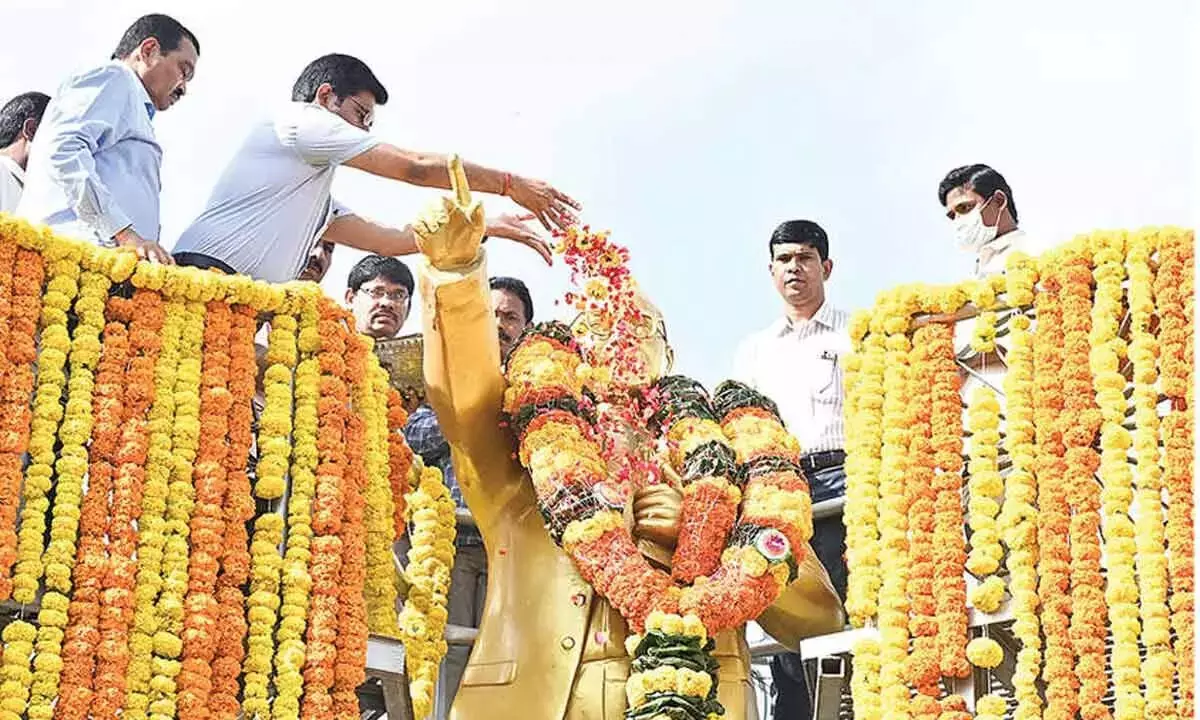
pixel 653 355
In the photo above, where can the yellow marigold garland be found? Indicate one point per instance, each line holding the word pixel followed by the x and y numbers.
pixel 296 581
pixel 984 484
pixel 1080 423
pixel 15 676
pixel 380 587
pixel 1019 516
pixel 153 522
pixel 1108 350
pixel 865 395
pixel 71 466
pixel 275 425
pixel 62 270
pixel 423 620
pixel 185 435
pixel 864 683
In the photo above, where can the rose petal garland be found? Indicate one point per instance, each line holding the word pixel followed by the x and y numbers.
pixel 1174 290
pixel 1080 422
pixel 1108 350
pixel 201 621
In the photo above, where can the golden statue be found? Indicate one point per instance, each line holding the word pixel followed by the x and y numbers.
pixel 548 648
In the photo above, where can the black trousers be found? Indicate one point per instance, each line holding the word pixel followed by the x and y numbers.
pixel 794 700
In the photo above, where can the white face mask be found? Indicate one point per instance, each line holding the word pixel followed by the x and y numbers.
pixel 971 231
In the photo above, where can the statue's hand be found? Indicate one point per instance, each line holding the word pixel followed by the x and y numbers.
pixel 450 230
pixel 656 511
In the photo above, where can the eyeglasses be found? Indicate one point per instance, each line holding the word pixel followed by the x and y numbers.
pixel 377 293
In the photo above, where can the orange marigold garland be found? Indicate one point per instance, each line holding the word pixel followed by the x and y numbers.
pixel 924 669
pixel 82 636
pixel 1080 422
pixel 352 612
pixel 949 545
pixel 321 652
pixel 1054 568
pixel 400 459
pixel 201 621
pixel 238 510
pixel 1173 293
pixel 10 425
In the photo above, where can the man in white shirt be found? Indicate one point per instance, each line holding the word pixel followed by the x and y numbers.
pixel 797 362
pixel 273 202
pixel 980 203
pixel 94 166
pixel 19 120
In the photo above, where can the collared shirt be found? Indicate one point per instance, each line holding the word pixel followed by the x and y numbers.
pixel 424 436
pixel 799 366
pixel 993 255
pixel 94 164
pixel 12 180
pixel 273 201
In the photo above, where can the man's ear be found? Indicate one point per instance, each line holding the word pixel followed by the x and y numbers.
pixel 349 296
pixel 827 266
pixel 29 128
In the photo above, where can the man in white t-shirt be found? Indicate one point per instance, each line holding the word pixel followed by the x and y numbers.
pixel 19 120
pixel 273 202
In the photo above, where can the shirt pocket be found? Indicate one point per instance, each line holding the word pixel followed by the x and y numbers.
pixel 827 377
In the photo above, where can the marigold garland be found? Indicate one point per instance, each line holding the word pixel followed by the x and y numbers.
pixel 400 460
pixel 153 522
pixel 864 683
pixel 380 585
pixel 297 582
pixel 865 397
pixel 238 509
pixel 62 271
pixel 984 485
pixel 185 437
pixel 423 620
pixel 1174 291
pixel 203 616
pixel 275 425
pixel 11 422
pixel 1080 423
pixel 15 676
pixel 1054 512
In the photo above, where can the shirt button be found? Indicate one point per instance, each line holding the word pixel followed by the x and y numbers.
pixel 567 643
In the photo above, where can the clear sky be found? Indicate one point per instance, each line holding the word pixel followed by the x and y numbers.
pixel 690 129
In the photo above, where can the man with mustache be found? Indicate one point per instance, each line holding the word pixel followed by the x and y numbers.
pixel 379 292
pixel 273 202
pixel 513 308
pixel 94 166
pixel 797 362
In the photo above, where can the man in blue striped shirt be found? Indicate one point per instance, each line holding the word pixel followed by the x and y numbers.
pixel 94 166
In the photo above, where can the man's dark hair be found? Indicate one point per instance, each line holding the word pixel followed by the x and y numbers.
pixel 16 111
pixel 518 288
pixel 380 266
pixel 800 232
pixel 168 31
pixel 347 75
pixel 980 178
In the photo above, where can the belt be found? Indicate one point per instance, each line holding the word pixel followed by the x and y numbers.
pixel 818 461
pixel 203 262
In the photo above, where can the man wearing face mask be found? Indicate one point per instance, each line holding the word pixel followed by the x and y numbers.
pixel 513 308
pixel 94 166
pixel 980 203
pixel 273 201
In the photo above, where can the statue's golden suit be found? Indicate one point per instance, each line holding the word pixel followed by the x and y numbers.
pixel 548 647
